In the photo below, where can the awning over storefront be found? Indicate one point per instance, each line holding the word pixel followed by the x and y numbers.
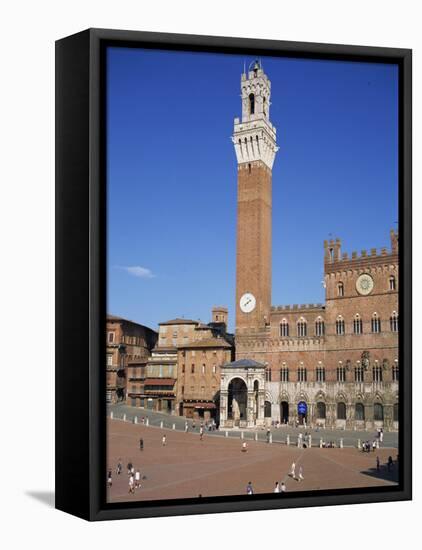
pixel 159 382
pixel 204 406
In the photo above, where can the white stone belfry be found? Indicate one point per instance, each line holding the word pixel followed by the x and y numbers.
pixel 254 136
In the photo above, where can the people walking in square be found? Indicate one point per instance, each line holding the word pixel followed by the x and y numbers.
pixel 131 484
pixel 300 477
pixel 141 444
pixel 186 426
pixel 109 479
pixel 381 435
pixel 119 467
pixel 374 445
pixel 249 488
pixel 201 433
pixel 283 487
pixel 390 463
pixel 378 463
pixel 129 468
pixel 137 479
pixel 276 487
pixel 293 470
pixel 164 440
pixel 244 447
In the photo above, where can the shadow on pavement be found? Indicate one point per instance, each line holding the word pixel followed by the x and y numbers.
pixel 391 474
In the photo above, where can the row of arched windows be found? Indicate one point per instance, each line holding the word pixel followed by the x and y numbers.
pixel 357 325
pixel 392 285
pixel 359 411
pixel 359 373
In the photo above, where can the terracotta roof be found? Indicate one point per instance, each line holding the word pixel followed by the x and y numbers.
pixel 207 343
pixel 179 321
pixel 111 317
pixel 202 326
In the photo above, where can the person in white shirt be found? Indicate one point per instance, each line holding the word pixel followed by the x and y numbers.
pixel 293 470
pixel 276 487
pixel 137 479
pixel 131 484
pixel 301 478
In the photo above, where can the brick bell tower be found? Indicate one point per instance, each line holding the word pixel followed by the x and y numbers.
pixel 254 140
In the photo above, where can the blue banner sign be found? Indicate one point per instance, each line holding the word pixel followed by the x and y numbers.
pixel 302 407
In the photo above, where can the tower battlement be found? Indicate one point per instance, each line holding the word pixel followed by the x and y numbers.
pixel 334 258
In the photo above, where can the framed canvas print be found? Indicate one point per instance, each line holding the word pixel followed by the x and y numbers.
pixel 234 266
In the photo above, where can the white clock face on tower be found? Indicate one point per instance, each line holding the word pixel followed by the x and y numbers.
pixel 364 284
pixel 247 302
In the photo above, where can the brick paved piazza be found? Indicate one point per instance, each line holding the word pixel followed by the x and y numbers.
pixel 187 466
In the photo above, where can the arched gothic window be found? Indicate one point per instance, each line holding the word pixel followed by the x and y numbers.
pixel 395 371
pixel 392 282
pixel 251 104
pixel 394 322
pixel 340 325
pixel 321 410
pixel 375 323
pixel 377 372
pixel 378 412
pixel 340 289
pixel 357 324
pixel 320 373
pixel 319 327
pixel 284 329
pixel 359 411
pixel 341 411
pixel 301 327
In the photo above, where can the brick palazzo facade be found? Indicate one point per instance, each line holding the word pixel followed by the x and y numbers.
pixel 332 364
pixel 129 345
pixel 183 371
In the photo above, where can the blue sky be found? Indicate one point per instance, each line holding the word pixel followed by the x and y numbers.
pixel 171 175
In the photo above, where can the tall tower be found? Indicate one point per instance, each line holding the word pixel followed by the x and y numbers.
pixel 254 141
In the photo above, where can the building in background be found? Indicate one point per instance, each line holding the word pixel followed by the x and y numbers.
pixel 173 388
pixel 333 364
pixel 128 345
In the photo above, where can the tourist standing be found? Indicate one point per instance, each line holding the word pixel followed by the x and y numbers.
pixel 137 479
pixel 129 468
pixel 378 463
pixel 283 487
pixel 119 467
pixel 276 487
pixel 164 440
pixel 293 470
pixel 109 479
pixel 141 444
pixel 249 488
pixel 300 477
pixel 244 447
pixel 390 463
pixel 131 484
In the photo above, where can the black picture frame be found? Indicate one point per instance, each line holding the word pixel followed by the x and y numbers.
pixel 80 272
